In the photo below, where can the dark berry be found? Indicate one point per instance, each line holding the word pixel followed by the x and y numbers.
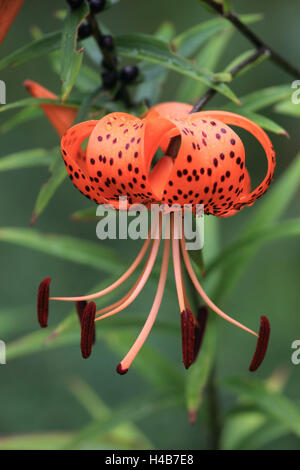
pixel 97 5
pixel 110 63
pixel 84 30
pixel 109 78
pixel 107 42
pixel 129 73
pixel 75 4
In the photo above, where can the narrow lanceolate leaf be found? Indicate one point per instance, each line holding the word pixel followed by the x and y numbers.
pixel 134 411
pixel 243 57
pixel 265 122
pixel 25 115
pixel 35 49
pixel 154 50
pixel 127 434
pixel 36 102
pixel 85 215
pixel 188 42
pixel 267 213
pixel 271 233
pixel 261 99
pixel 272 403
pixel 71 57
pixel 190 90
pixel 26 159
pixel 289 108
pixel 48 190
pixel 197 376
pixel 76 250
pixel 247 429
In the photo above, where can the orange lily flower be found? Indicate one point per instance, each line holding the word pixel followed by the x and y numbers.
pixel 8 12
pixel 61 117
pixel 209 169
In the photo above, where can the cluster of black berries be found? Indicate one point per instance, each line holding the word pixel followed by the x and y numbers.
pixel 110 75
pixel 95 5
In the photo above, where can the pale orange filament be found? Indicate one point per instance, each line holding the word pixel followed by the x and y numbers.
pixel 117 283
pixel 131 296
pixel 177 268
pixel 204 296
pixel 130 356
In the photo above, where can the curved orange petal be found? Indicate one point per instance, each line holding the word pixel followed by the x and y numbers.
pixel 170 110
pixel 263 139
pixel 8 12
pixel 61 117
pixel 120 151
pixel 75 160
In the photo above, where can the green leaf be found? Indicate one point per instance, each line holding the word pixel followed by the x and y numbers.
pixel 25 115
pixel 35 441
pixel 85 215
pixel 289 108
pixel 71 58
pixel 243 57
pixel 48 190
pixel 37 102
pixel 198 374
pixel 191 90
pixel 35 49
pixel 267 213
pixel 125 435
pixel 26 159
pixel 265 123
pixel 261 99
pixel 76 250
pixel 188 42
pixel 165 31
pixel 143 47
pixel 250 429
pixel 272 403
pixel 134 411
pixel 262 235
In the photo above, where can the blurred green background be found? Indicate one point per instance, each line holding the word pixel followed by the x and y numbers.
pixel 34 394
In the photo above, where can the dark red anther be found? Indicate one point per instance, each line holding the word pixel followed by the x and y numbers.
pixel 88 329
pixel 43 302
pixel 80 306
pixel 262 344
pixel 120 370
pixel 188 337
pixel 202 316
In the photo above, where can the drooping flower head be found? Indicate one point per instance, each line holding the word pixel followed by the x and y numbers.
pixel 209 169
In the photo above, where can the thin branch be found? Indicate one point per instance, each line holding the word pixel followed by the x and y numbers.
pixel 252 37
pixel 234 72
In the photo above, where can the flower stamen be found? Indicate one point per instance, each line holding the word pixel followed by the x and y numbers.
pixel 128 359
pixel 43 302
pixel 203 294
pixel 88 329
pixel 262 344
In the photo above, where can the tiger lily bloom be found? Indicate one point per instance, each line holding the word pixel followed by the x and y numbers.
pixel 209 169
pixel 8 12
pixel 61 117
